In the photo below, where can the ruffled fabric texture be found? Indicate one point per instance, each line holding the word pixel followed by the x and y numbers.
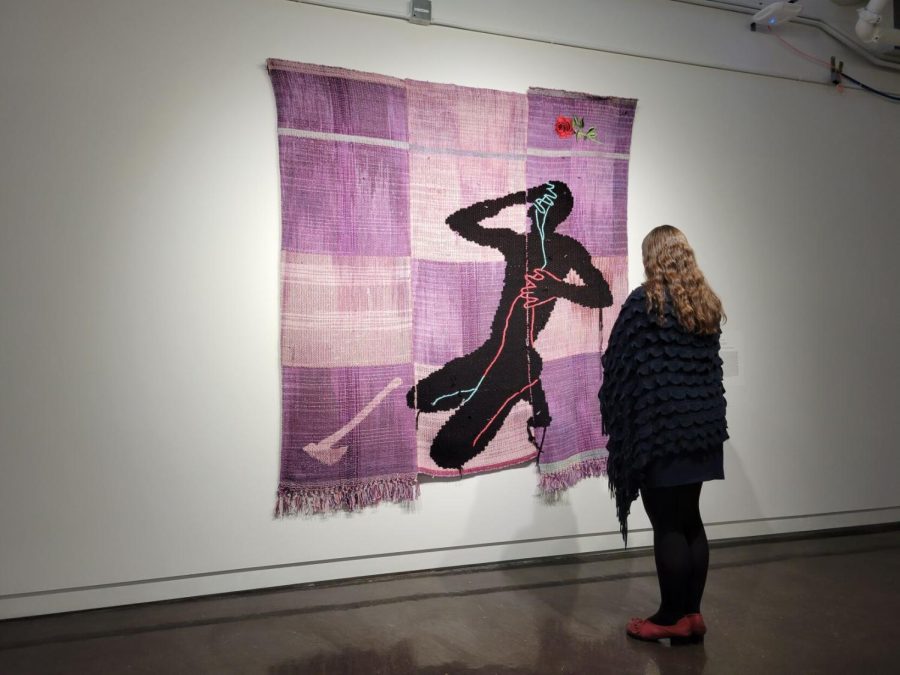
pixel 662 395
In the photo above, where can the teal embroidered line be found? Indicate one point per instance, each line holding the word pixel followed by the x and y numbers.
pixel 473 391
pixel 543 205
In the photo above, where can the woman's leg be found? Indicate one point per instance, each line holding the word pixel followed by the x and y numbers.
pixel 674 565
pixel 698 544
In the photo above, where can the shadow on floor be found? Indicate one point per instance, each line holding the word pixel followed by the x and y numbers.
pixel 558 652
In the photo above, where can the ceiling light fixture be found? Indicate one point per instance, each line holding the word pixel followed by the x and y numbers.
pixel 776 14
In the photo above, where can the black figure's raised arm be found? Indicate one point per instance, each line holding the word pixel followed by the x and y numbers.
pixel 467 222
pixel 595 292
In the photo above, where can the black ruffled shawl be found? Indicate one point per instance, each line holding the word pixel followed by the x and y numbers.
pixel 662 395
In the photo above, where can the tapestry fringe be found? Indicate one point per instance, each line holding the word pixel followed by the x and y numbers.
pixel 551 484
pixel 318 499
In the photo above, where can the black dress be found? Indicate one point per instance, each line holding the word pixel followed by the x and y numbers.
pixel 662 403
pixel 684 470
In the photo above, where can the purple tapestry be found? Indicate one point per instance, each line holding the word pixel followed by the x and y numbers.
pixel 450 256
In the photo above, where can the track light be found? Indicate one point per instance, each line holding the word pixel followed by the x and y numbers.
pixel 868 27
pixel 775 14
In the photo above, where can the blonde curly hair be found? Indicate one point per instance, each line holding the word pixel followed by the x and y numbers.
pixel 670 265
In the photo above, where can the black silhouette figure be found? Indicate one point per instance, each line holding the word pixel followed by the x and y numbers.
pixel 485 384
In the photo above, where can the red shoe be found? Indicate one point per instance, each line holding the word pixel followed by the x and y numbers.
pixel 698 625
pixel 644 629
pixel 698 630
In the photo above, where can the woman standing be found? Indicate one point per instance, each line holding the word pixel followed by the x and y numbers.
pixel 663 407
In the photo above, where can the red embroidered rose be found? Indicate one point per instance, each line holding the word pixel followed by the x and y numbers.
pixel 564 127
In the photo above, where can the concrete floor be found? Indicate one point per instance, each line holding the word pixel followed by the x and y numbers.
pixel 823 605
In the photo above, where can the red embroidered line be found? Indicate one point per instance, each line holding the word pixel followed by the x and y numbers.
pixel 528 305
pixel 503 339
pixel 543 302
pixel 529 284
pixel 551 275
pixel 505 403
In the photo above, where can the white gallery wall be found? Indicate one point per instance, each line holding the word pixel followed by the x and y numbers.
pixel 139 284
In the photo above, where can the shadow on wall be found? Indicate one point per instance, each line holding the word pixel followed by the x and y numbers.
pixel 718 495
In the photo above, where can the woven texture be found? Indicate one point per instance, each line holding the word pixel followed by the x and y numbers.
pixel 662 396
pixel 447 253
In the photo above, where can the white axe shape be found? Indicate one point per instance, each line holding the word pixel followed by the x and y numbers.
pixel 325 450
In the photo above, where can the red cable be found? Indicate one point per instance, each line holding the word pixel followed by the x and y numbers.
pixel 806 56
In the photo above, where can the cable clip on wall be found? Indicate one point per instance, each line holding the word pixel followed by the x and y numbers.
pixel 837 74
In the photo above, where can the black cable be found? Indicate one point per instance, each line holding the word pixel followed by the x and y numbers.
pixel 837 69
pixel 892 97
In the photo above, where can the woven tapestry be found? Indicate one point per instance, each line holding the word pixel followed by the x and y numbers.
pixel 450 256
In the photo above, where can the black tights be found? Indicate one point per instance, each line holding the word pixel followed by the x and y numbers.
pixel 680 548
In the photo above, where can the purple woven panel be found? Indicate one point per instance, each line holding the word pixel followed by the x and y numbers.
pixel 596 171
pixel 445 253
pixel 612 117
pixel 348 198
pixel 319 462
pixel 454 305
pixel 332 100
pixel 313 408
pixel 599 186
pixel 348 438
pixel 458 160
pixel 573 411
